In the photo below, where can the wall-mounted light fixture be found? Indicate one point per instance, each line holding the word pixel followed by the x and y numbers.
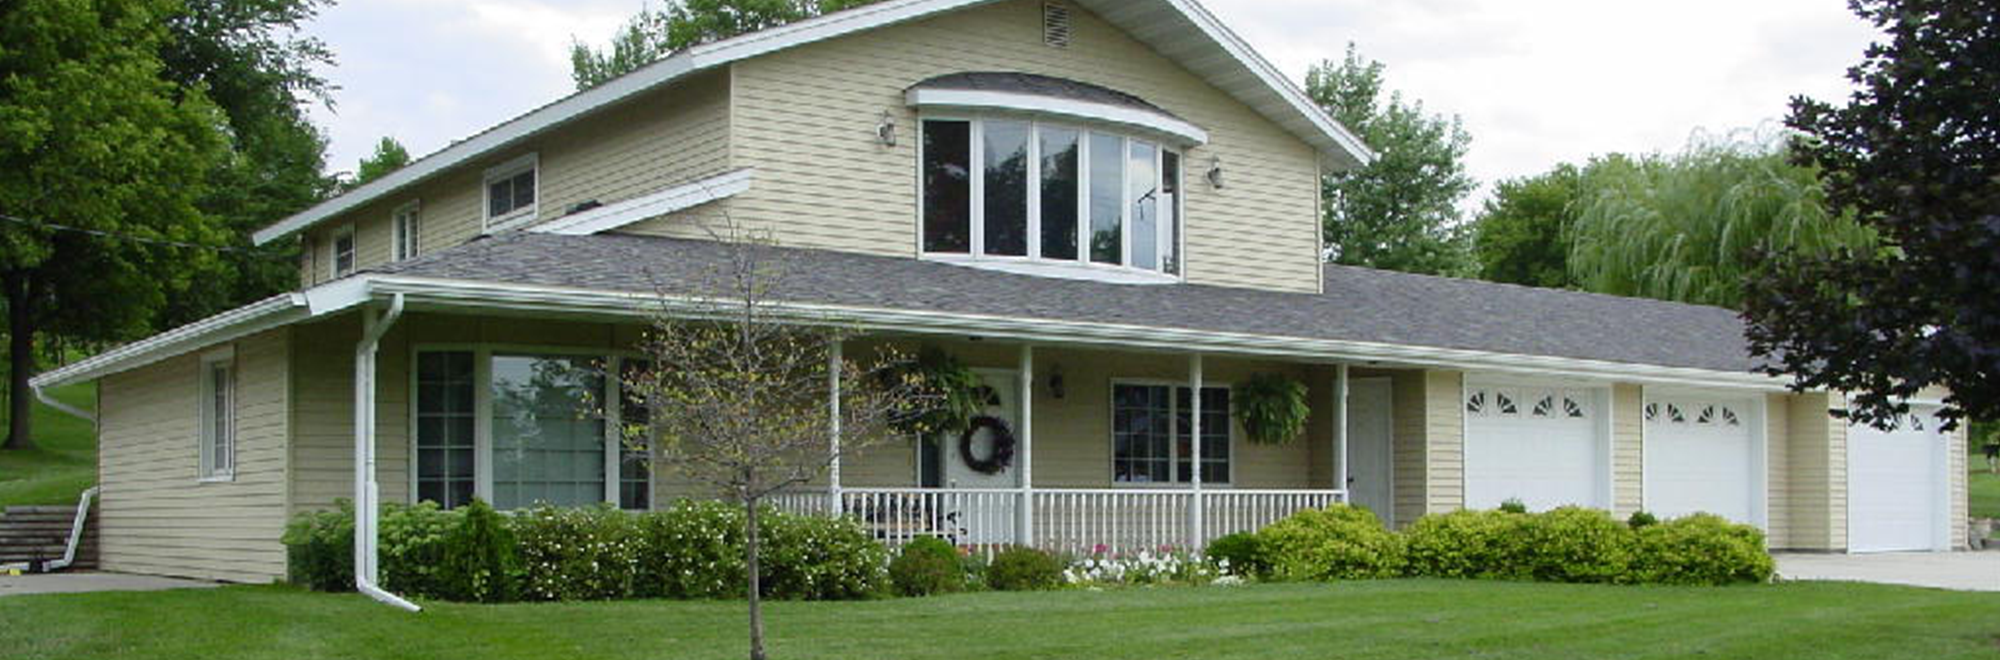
pixel 885 131
pixel 1215 172
pixel 1057 387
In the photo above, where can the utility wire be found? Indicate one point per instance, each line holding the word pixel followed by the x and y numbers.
pixel 140 239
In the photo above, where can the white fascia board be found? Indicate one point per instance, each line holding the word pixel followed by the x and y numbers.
pixel 1348 142
pixel 249 319
pixel 1189 135
pixel 677 198
pixel 444 293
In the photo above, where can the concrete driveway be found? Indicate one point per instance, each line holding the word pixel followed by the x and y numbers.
pixel 1963 571
pixel 70 583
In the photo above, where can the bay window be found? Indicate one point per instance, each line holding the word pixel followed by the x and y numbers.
pixel 1152 440
pixel 1049 193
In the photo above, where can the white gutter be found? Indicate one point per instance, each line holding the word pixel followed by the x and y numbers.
pixel 366 492
pixel 249 319
pixel 47 400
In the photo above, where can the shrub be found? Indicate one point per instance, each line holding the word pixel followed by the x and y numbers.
pixel 480 561
pixel 1641 520
pixel 692 549
pixel 1240 554
pixel 1023 569
pixel 927 565
pixel 584 553
pixel 820 558
pixel 319 549
pixel 1513 505
pixel 1336 543
pixel 1701 549
pixel 413 546
pixel 1467 544
pixel 1575 544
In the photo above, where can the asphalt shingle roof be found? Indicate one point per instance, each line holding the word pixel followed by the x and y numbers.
pixel 1358 304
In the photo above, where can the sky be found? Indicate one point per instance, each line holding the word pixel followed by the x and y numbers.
pixel 1536 82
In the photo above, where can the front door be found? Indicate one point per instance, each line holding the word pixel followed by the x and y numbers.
pixel 959 467
pixel 1369 450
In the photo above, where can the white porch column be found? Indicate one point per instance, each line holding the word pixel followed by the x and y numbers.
pixel 833 369
pixel 1024 530
pixel 1340 431
pixel 1196 539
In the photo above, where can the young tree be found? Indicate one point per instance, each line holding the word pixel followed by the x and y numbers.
pixel 1401 211
pixel 654 34
pixel 747 397
pixel 389 156
pixel 1523 234
pixel 93 137
pixel 1916 153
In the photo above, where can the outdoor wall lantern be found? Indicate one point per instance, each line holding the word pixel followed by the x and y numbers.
pixel 1215 172
pixel 1057 388
pixel 886 129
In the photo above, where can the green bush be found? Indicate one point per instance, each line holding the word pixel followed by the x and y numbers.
pixel 1575 544
pixel 1336 543
pixel 587 553
pixel 927 565
pixel 1240 554
pixel 319 549
pixel 1023 569
pixel 820 558
pixel 412 547
pixel 1641 520
pixel 1513 505
pixel 692 549
pixel 480 561
pixel 1701 549
pixel 1467 544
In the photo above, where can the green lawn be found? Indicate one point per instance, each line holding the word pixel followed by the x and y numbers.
pixel 64 461
pixel 1389 619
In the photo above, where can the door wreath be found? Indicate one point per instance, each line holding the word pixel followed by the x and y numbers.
pixel 1003 445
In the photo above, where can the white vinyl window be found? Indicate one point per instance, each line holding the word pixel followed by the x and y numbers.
pixel 343 252
pixel 405 225
pixel 1150 438
pixel 1001 189
pixel 510 193
pixel 218 416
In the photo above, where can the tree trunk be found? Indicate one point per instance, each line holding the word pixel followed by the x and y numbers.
pixel 754 572
pixel 21 362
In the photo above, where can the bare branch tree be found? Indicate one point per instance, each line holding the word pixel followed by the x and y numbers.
pixel 739 393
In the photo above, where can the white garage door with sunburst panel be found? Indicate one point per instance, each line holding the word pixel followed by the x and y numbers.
pixel 1702 456
pixel 1540 445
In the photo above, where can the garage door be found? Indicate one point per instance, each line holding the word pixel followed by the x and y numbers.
pixel 1538 445
pixel 1700 457
pixel 1896 486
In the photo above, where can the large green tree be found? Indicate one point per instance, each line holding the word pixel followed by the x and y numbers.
pixel 1399 212
pixel 1522 236
pixel 93 137
pixel 389 156
pixel 1915 152
pixel 657 33
pixel 1689 226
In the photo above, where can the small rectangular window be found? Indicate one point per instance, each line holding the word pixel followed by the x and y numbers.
pixel 947 186
pixel 510 193
pixel 1005 187
pixel 218 416
pixel 1058 192
pixel 343 252
pixel 1107 198
pixel 445 427
pixel 406 227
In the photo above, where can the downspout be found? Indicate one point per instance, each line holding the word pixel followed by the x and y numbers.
pixel 52 402
pixel 366 493
pixel 82 502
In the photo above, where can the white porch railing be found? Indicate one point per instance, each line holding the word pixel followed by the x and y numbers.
pixel 1065 520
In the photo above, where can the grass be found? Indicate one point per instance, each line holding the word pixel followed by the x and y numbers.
pixel 64 460
pixel 1387 619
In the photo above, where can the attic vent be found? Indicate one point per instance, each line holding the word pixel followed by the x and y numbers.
pixel 1055 24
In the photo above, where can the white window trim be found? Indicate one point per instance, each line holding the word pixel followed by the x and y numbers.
pixel 333 270
pixel 482 409
pixel 517 217
pixel 206 435
pixel 1162 127
pixel 405 227
pixel 1081 267
pixel 1173 446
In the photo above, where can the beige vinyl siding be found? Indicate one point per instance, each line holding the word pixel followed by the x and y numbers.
pixel 1960 506
pixel 1817 458
pixel 1429 445
pixel 666 137
pixel 805 118
pixel 1628 449
pixel 1778 498
pixel 154 515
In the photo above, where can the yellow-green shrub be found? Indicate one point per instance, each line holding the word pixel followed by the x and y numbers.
pixel 1700 549
pixel 1340 542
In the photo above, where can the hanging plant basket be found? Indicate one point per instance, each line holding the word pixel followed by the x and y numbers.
pixel 1272 409
pixel 960 394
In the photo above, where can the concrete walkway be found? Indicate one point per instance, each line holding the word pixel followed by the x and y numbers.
pixel 69 583
pixel 1963 571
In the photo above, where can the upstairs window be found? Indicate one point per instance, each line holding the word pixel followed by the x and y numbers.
pixel 404 224
pixel 510 193
pixel 1032 191
pixel 343 252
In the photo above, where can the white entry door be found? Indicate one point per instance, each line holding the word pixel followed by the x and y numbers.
pixel 1701 456
pixel 1370 451
pixel 1539 445
pixel 1896 486
pixel 983 519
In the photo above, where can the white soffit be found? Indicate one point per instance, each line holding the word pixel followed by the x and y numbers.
pixel 677 198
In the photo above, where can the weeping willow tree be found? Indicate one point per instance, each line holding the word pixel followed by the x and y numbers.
pixel 1686 226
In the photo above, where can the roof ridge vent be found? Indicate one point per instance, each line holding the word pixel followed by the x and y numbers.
pixel 1055 24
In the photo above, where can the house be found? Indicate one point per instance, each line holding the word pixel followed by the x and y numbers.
pixel 1109 207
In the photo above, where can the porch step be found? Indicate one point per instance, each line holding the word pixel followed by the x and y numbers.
pixel 41 533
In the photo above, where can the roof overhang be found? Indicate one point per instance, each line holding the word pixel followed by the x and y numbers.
pixel 272 312
pixel 1173 129
pixel 1182 30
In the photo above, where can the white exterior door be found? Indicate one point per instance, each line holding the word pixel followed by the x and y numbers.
pixel 1540 445
pixel 1370 453
pixel 1896 486
pixel 985 519
pixel 1702 456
